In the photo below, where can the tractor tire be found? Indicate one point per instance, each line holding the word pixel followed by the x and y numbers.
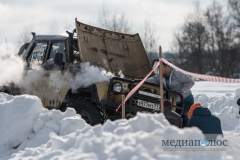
pixel 90 111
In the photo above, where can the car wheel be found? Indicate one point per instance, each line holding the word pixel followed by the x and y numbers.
pixel 90 111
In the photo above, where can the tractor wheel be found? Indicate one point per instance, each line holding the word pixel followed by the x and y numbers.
pixel 91 112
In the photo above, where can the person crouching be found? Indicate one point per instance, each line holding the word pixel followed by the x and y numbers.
pixel 208 123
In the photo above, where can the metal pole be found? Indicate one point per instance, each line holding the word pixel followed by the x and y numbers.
pixel 160 81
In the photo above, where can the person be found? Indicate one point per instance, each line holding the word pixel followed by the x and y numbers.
pixel 208 123
pixel 177 81
pixel 172 117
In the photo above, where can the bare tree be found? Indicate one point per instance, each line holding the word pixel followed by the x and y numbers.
pixel 206 43
pixel 178 46
pixel 234 10
pixel 149 40
pixel 114 21
pixel 103 16
pixel 120 23
pixel 220 39
pixel 191 41
pixel 25 35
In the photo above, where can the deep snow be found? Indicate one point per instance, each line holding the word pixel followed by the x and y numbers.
pixel 44 134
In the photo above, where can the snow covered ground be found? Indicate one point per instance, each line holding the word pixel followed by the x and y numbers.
pixel 214 89
pixel 27 131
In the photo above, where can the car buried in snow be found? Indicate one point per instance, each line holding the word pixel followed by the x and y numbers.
pixel 115 52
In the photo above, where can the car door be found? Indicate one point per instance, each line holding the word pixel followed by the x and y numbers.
pixel 32 83
pixel 55 81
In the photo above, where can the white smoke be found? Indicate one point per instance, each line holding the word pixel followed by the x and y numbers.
pixel 61 79
pixel 120 74
pixel 85 77
pixel 89 75
pixel 11 66
pixel 7 49
pixel 11 70
pixel 32 78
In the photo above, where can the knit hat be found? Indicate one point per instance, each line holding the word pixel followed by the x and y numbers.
pixel 193 107
pixel 166 102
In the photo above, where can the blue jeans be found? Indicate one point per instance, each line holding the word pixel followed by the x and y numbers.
pixel 187 106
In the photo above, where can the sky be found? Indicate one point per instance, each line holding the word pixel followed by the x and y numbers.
pixel 45 17
pixel 28 131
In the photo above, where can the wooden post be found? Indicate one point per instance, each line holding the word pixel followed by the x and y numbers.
pixel 123 106
pixel 160 81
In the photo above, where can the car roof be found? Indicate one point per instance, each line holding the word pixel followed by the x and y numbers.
pixel 50 37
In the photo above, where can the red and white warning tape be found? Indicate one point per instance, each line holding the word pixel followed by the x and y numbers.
pixel 200 76
pixel 137 86
pixel 204 77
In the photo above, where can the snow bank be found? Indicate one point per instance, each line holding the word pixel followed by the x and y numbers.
pixel 122 139
pixel 224 107
pixel 25 123
pixel 43 134
pixel 16 118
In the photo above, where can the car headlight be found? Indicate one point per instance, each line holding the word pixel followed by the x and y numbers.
pixel 117 87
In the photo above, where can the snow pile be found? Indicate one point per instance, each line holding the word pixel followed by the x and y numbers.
pixel 25 123
pixel 54 134
pixel 30 132
pixel 53 121
pixel 16 119
pixel 224 107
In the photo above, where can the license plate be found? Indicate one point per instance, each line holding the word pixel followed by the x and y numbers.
pixel 149 105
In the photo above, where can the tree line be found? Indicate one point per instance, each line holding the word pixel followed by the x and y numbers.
pixel 208 41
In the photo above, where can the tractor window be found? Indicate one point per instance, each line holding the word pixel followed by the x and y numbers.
pixel 38 52
pixel 58 48
pixel 76 53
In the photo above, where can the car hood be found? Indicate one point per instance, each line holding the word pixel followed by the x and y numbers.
pixel 116 52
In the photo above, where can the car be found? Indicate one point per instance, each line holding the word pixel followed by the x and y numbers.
pixel 118 53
